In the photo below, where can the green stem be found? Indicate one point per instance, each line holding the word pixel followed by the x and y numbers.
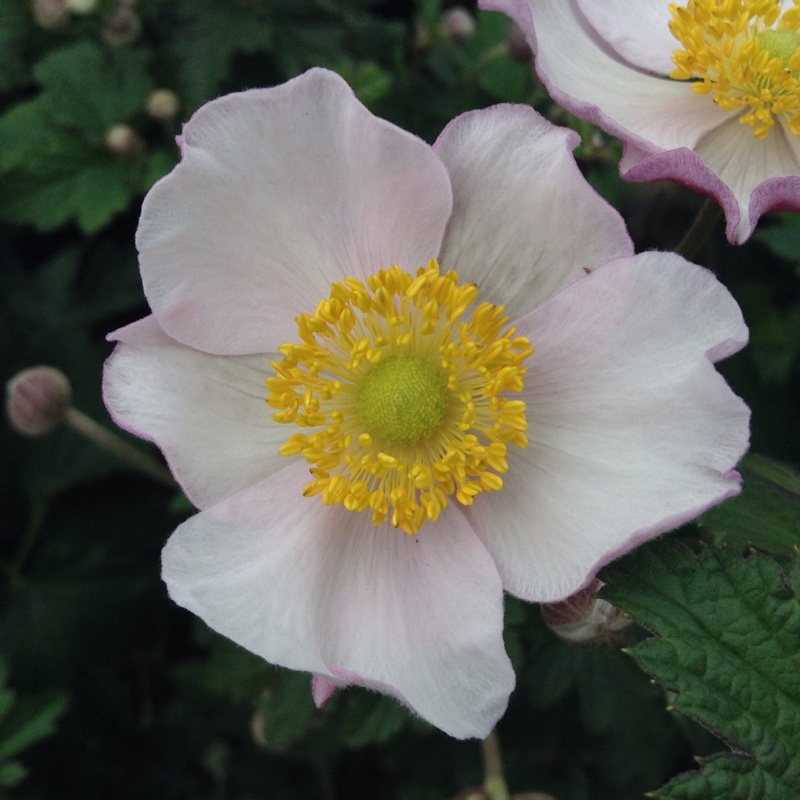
pixel 29 539
pixel 494 783
pixel 109 441
pixel 699 231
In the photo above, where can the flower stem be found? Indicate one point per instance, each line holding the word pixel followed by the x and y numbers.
pixel 699 231
pixel 109 441
pixel 494 782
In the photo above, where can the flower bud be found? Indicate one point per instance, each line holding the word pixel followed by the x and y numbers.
pixel 163 104
pixel 458 24
pixel 37 400
pixel 123 28
pixel 585 619
pixel 50 13
pixel 471 793
pixel 122 140
pixel 518 47
pixel 81 6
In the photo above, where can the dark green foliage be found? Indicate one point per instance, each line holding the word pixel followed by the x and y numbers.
pixel 728 646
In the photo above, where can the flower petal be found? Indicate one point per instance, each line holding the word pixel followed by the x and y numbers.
pixel 639 32
pixel 584 76
pixel 525 221
pixel 280 192
pixel 208 414
pixel 685 167
pixel 744 163
pixel 631 430
pixel 318 588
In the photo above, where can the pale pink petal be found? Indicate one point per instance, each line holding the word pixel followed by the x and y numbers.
pixel 525 222
pixel 208 414
pixel 685 167
pixel 638 31
pixel 280 192
pixel 318 588
pixel 322 689
pixel 632 431
pixel 585 77
pixel 745 163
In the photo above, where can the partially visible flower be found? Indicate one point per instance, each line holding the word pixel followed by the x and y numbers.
pixel 702 92
pixel 472 385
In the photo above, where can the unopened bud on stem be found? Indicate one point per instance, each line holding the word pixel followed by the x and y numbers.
pixel 585 619
pixel 163 104
pixel 37 400
pixel 459 24
pixel 50 13
pixel 123 28
pixel 123 140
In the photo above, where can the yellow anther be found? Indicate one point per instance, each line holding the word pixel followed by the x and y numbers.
pixel 745 54
pixel 403 470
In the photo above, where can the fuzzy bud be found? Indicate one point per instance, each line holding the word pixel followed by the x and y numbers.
pixel 585 619
pixel 50 14
pixel 122 140
pixel 458 24
pixel 37 400
pixel 123 28
pixel 81 6
pixel 163 104
pixel 517 44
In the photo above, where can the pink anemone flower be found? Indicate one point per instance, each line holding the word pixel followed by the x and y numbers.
pixel 398 380
pixel 701 92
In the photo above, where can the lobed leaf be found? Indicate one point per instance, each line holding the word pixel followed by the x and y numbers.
pixel 728 645
pixel 766 514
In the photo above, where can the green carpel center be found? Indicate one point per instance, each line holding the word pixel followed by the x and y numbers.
pixel 782 44
pixel 403 399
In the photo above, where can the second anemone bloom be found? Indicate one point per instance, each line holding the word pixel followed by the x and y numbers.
pixel 703 92
pixel 398 380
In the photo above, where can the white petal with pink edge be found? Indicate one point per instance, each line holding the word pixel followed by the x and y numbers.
pixel 208 414
pixel 638 31
pixel 280 192
pixel 319 588
pixel 525 222
pixel 745 163
pixel 631 429
pixel 584 76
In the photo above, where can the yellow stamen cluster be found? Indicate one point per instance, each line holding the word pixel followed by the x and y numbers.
pixel 745 53
pixel 417 326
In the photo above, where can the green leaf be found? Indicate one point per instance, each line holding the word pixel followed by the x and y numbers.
pixel 31 720
pixel 286 708
pixel 207 36
pixel 728 645
pixel 11 773
pixel 92 88
pixel 53 147
pixel 766 514
pixel 14 19
pixel 87 185
pixel 370 718
pixel 783 239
